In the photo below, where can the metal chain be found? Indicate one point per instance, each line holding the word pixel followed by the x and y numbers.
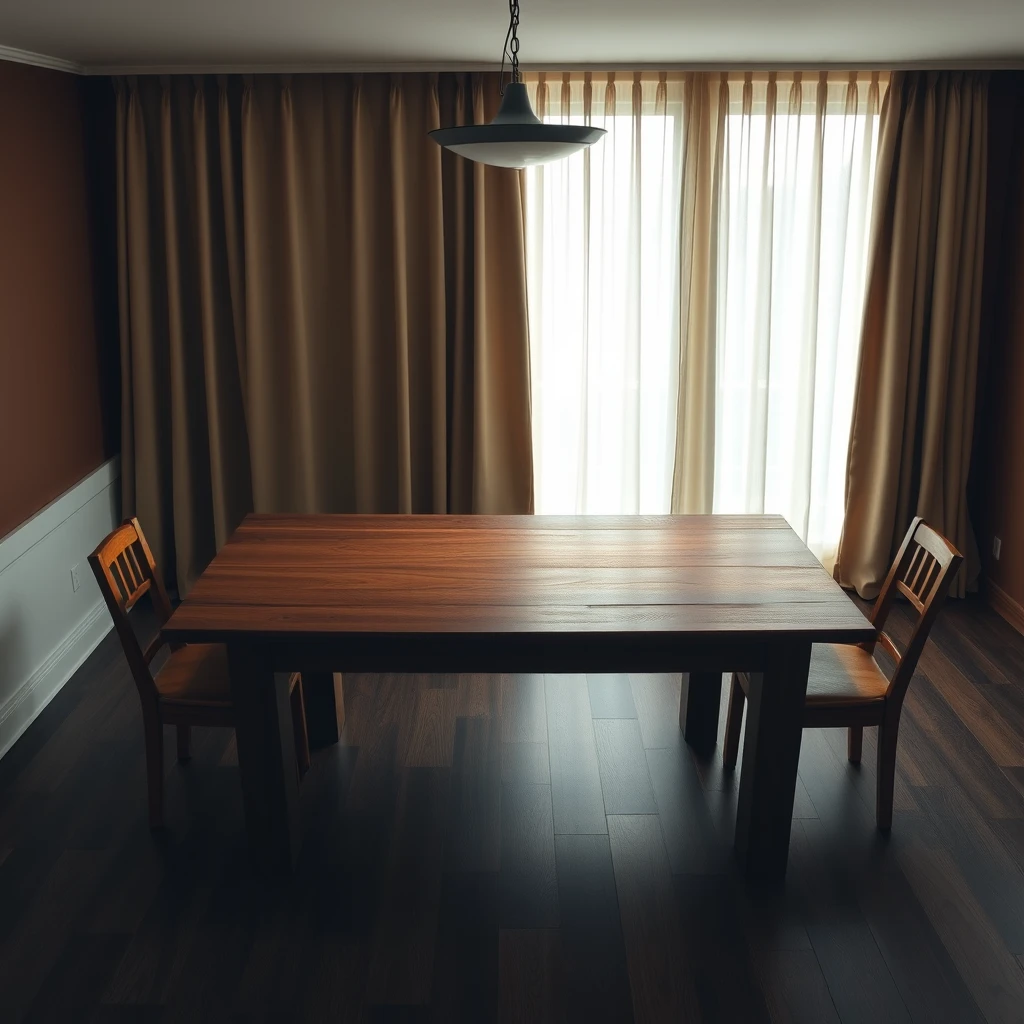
pixel 511 50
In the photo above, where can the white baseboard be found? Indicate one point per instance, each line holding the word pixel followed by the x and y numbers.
pixel 47 629
pixel 20 711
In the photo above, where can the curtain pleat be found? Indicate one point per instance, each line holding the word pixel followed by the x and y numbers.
pixel 320 309
pixel 910 442
pixel 706 102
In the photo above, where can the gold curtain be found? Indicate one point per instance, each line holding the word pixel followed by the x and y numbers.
pixel 320 310
pixel 913 417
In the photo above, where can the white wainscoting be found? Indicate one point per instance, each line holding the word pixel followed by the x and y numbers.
pixel 47 629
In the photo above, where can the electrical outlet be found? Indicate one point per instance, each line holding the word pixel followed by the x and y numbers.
pixel 997 547
pixel 75 581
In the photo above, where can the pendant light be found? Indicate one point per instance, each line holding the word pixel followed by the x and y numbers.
pixel 516 137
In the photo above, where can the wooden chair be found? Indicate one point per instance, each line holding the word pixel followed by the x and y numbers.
pixel 192 687
pixel 846 688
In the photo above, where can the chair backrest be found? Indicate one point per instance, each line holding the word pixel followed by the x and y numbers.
pixel 922 573
pixel 125 571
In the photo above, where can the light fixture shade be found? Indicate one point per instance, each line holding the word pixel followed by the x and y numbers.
pixel 516 137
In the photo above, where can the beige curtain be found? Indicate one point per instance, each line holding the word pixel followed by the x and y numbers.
pixel 320 310
pixel 913 416
pixel 706 101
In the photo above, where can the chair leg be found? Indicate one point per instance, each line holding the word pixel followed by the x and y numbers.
pixel 155 768
pixel 733 724
pixel 854 743
pixel 184 742
pixel 299 726
pixel 888 734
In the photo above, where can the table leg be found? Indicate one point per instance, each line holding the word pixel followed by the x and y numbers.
pixel 325 707
pixel 699 701
pixel 771 755
pixel 266 755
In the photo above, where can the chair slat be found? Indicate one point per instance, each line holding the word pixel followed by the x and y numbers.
pixel 121 582
pixel 128 572
pixel 922 562
pixel 909 595
pixel 135 561
pixel 912 567
pixel 926 584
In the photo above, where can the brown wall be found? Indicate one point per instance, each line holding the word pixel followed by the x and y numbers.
pixel 999 459
pixel 52 426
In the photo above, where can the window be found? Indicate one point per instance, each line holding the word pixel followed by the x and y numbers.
pixel 793 160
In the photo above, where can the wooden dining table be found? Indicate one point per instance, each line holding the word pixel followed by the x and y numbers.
pixel 700 595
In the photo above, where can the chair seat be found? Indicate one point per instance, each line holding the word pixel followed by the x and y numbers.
pixel 197 675
pixel 842 676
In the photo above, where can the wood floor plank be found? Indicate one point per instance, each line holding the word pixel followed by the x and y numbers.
pixel 74 986
pixel 107 1013
pixel 625 782
pixel 925 975
pixel 526 763
pixel 973 707
pixel 973 943
pixel 528 883
pixel 466 960
pixel 22 875
pixel 215 961
pixel 523 709
pixel 795 990
pixel 335 980
pixel 433 736
pixel 726 979
pixel 996 879
pixel 479 695
pixel 28 955
pixel 859 980
pixel 611 696
pixel 402 959
pixel 474 833
pixel 576 795
pixel 965 758
pixel 650 923
pixel 152 964
pixel 532 977
pixel 597 981
pixel 693 845
pixel 656 698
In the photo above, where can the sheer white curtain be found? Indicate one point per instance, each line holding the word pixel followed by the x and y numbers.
pixel 602 262
pixel 793 232
pixel 790 159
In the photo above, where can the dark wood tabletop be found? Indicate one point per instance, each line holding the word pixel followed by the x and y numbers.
pixel 284 577
pixel 701 595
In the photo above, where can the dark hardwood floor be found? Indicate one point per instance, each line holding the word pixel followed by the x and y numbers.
pixel 521 849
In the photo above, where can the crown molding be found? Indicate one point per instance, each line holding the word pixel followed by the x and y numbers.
pixel 40 60
pixel 398 67
pixel 376 67
pixel 292 68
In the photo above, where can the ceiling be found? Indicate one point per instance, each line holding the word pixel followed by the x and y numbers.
pixel 108 34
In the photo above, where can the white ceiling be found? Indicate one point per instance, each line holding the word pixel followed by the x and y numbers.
pixel 254 33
